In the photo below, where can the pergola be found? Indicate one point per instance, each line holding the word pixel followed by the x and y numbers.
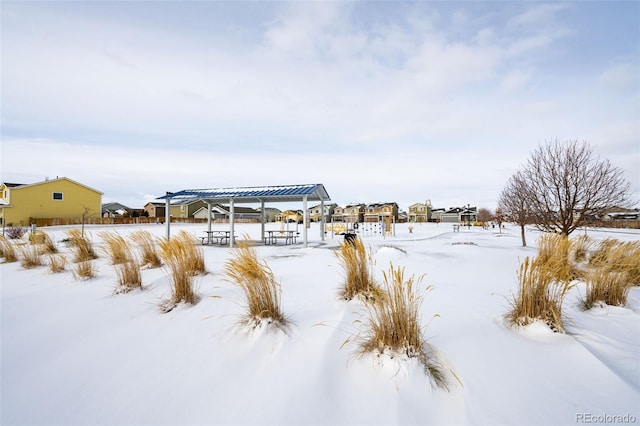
pixel 260 194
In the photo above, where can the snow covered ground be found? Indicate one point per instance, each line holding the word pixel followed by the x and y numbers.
pixel 73 352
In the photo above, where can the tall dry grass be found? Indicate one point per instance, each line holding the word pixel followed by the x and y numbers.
pixel 260 289
pixel 57 263
pixel 184 260
pixel 147 246
pixel 394 327
pixel 30 256
pixel 185 247
pixel 129 276
pixel 48 244
pixel 81 245
pixel 117 248
pixel 540 295
pixel 605 287
pixel 357 264
pixel 84 270
pixel 613 269
pixel 7 250
pixel 555 256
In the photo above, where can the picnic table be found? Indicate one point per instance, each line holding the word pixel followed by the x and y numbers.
pixel 272 237
pixel 216 237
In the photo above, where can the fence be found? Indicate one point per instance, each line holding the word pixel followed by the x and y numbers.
pixel 39 222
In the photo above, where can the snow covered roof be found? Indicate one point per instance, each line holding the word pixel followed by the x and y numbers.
pixel 282 193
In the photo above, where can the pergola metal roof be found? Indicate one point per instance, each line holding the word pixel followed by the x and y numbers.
pixel 258 194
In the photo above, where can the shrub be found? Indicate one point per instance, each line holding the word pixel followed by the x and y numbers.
pixel 539 297
pixel 15 232
pixel 7 250
pixel 129 276
pixel 148 254
pixel 357 265
pixel 30 257
pixel 393 324
pixel 57 263
pixel 82 246
pixel 84 270
pixel 116 248
pixel 259 287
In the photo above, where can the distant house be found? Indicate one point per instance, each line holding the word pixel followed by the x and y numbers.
pixel 338 214
pixel 62 197
pixel 315 212
pixel 270 214
pixel 436 214
pixel 353 213
pixel 186 208
pixel 224 212
pixel 293 216
pixel 378 211
pixel 115 210
pixel 420 212
pixel 459 215
pixel 155 209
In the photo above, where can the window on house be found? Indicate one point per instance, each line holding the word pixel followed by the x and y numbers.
pixel 57 195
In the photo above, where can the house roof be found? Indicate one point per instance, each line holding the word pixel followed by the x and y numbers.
pixel 20 186
pixel 236 209
pixel 282 193
pixel 115 206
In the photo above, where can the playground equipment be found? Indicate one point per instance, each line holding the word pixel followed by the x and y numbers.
pixel 385 227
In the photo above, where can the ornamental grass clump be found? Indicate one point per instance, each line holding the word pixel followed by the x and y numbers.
pixel 260 289
pixel 129 276
pixel 357 264
pixel 539 295
pixel 84 270
pixel 393 326
pixel 57 263
pixel 147 246
pixel 184 261
pixel 30 256
pixel 82 247
pixel 117 248
pixel 7 250
pixel 184 247
pixel 605 287
pixel 614 268
pixel 554 256
pixel 48 245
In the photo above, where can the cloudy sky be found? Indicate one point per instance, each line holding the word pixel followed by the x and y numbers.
pixel 378 101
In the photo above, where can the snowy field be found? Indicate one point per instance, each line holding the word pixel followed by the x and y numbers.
pixel 75 353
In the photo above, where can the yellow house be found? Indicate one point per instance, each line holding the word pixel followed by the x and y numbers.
pixel 53 198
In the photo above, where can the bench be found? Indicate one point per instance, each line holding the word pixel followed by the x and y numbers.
pixel 216 237
pixel 289 237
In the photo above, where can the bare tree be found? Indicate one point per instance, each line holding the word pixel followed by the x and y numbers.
pixel 499 218
pixel 564 184
pixel 483 215
pixel 513 205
